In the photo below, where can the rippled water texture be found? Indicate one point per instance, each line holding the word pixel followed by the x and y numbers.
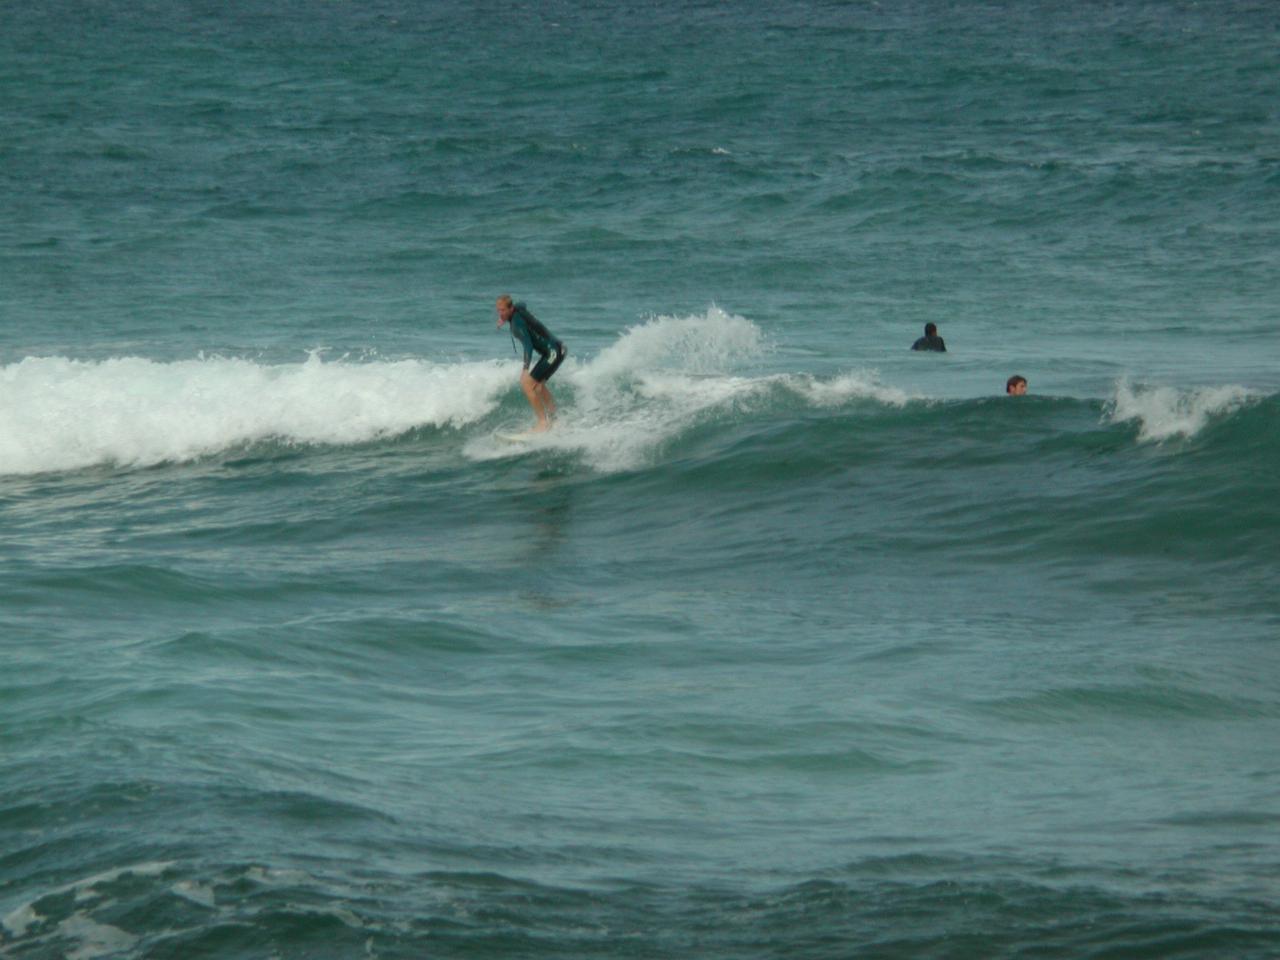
pixel 786 641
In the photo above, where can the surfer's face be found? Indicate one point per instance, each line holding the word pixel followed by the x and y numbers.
pixel 505 310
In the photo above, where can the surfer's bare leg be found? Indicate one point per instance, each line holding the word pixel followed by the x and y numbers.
pixel 548 401
pixel 533 391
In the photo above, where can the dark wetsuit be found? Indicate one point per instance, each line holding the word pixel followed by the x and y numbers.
pixel 529 330
pixel 930 343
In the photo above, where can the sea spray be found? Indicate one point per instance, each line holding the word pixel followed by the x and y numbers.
pixel 1163 412
pixel 665 376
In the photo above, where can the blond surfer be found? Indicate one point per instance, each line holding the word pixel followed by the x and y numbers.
pixel 535 338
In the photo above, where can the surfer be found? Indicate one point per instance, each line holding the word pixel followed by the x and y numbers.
pixel 526 328
pixel 930 340
pixel 1016 385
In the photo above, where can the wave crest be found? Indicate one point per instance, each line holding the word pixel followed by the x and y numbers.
pixel 61 414
pixel 667 376
pixel 1165 412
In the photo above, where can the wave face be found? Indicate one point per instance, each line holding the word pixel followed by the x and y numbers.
pixel 787 641
pixel 662 380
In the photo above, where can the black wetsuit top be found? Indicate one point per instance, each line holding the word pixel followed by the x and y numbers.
pixel 930 343
pixel 529 330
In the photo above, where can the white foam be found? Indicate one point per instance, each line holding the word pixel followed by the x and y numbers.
pixel 658 379
pixel 846 387
pixel 18 921
pixel 713 342
pixel 667 375
pixel 277 876
pixel 196 892
pixel 95 939
pixel 1165 412
pixel 61 414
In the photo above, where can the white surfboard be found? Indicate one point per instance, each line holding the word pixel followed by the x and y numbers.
pixel 506 436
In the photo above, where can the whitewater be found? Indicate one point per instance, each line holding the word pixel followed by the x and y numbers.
pixel 658 381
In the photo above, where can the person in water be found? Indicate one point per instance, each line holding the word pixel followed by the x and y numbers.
pixel 1015 386
pixel 930 340
pixel 535 338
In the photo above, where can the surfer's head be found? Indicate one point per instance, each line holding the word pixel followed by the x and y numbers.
pixel 1015 386
pixel 505 308
pixel 930 329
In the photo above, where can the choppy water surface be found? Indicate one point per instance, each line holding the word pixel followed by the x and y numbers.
pixel 786 641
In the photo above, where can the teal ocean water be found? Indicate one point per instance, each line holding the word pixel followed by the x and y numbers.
pixel 786 641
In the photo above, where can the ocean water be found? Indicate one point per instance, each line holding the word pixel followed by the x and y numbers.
pixel 786 641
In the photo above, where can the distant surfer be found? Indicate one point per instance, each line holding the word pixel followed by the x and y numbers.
pixel 535 338
pixel 930 340
pixel 1015 386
